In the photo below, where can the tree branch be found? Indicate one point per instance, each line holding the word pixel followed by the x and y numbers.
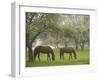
pixel 38 35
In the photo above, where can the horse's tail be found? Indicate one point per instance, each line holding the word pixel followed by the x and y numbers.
pixel 60 53
pixel 75 56
pixel 53 55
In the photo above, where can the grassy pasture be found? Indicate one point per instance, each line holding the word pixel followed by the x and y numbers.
pixel 82 58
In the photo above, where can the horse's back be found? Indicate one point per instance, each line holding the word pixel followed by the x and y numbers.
pixel 43 49
pixel 68 49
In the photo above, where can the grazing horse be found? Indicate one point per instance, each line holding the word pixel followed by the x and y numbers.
pixel 69 51
pixel 43 50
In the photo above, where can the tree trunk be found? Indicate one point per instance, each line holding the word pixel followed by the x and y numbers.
pixel 82 45
pixel 66 44
pixel 57 45
pixel 29 45
pixel 76 44
pixel 76 47
pixel 30 52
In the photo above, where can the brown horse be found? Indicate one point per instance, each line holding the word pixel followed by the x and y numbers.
pixel 69 51
pixel 45 50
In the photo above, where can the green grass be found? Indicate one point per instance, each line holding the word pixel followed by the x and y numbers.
pixel 82 58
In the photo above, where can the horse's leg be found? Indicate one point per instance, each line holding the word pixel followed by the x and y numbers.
pixel 60 54
pixel 70 56
pixel 39 57
pixel 48 56
pixel 63 56
pixel 75 56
